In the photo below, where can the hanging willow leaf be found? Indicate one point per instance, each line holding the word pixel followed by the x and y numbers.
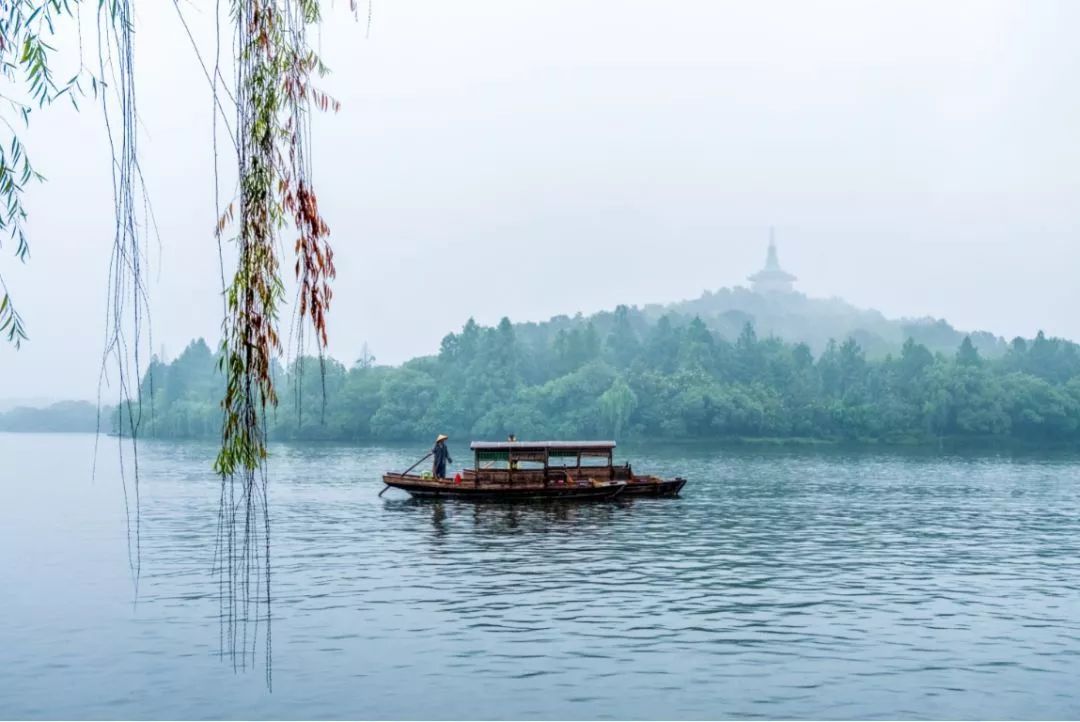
pixel 274 97
pixel 25 53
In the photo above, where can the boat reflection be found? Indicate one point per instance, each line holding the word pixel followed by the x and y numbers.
pixel 499 519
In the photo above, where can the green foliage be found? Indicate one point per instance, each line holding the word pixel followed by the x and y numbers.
pixel 617 404
pixel 11 323
pixel 674 379
pixel 27 73
pixel 274 98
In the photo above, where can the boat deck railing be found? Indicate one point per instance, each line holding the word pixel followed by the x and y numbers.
pixel 549 474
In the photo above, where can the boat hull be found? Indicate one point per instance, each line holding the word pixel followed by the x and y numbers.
pixel 447 489
pixel 655 487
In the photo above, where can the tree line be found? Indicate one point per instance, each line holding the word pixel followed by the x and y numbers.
pixel 63 416
pixel 621 374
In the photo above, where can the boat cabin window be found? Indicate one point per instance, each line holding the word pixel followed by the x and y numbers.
pixel 504 459
pixel 595 458
pixel 575 459
pixel 563 460
pixel 536 455
pixel 492 460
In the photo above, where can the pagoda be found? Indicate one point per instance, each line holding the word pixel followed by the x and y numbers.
pixel 772 278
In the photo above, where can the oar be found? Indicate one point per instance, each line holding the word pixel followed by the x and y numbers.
pixel 406 472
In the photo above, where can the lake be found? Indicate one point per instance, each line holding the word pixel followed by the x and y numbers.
pixel 801 583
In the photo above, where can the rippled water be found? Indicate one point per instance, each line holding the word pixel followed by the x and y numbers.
pixel 787 583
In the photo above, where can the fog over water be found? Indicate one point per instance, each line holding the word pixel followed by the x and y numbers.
pixel 535 158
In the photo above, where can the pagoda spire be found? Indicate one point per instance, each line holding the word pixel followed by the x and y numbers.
pixel 772 278
pixel 772 262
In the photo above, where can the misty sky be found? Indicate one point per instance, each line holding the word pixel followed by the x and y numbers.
pixel 536 158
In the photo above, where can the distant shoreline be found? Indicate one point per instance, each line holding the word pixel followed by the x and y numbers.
pixel 949 443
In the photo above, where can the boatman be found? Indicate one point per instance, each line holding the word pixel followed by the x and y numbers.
pixel 440 455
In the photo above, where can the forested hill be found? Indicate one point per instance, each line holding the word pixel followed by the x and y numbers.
pixel 81 416
pixel 638 373
pixel 815 321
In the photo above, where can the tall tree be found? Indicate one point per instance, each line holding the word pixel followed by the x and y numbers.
pixel 617 404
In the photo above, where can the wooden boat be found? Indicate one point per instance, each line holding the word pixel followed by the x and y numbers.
pixel 530 470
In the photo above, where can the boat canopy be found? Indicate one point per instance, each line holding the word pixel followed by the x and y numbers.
pixel 574 446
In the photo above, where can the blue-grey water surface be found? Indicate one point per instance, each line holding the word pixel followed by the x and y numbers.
pixel 784 583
